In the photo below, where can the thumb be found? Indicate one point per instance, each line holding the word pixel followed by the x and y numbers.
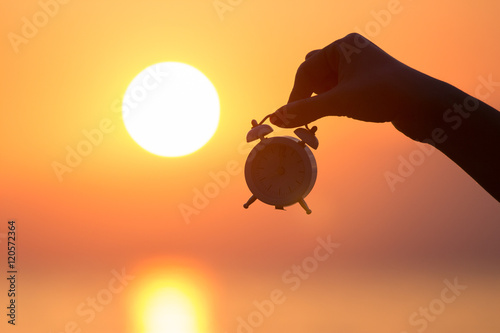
pixel 302 112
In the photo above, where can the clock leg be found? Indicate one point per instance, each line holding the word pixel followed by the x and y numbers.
pixel 250 201
pixel 304 205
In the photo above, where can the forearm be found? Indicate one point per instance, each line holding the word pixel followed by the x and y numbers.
pixel 467 130
pixel 472 140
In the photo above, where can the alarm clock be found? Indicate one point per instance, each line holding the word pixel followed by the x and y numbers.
pixel 281 171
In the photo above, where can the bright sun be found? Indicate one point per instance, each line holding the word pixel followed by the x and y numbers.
pixel 171 109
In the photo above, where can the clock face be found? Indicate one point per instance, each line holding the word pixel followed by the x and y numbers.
pixel 280 171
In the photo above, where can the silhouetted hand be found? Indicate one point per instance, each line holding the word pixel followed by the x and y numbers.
pixel 353 77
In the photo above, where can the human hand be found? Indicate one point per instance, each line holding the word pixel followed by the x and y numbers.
pixel 353 77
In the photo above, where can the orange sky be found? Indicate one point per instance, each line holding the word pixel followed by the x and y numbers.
pixel 119 208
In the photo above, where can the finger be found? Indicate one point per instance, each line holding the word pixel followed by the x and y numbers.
pixel 319 72
pixel 304 111
pixel 310 54
pixel 315 75
pixel 302 87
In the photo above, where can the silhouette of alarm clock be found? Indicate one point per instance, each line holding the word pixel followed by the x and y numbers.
pixel 281 171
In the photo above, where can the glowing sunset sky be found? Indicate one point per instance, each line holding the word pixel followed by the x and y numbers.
pixel 113 230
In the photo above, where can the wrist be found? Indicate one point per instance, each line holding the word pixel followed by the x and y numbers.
pixel 435 110
pixel 465 129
